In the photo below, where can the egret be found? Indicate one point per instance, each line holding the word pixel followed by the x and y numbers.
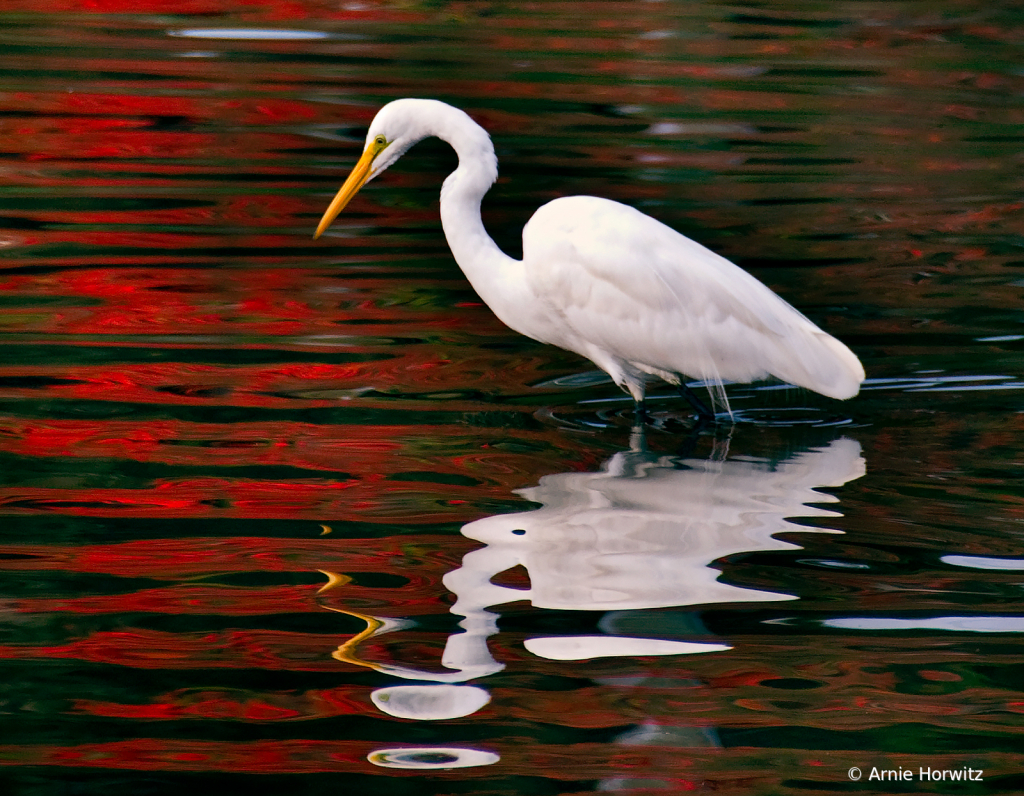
pixel 600 278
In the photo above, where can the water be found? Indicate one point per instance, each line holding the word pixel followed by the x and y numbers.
pixel 285 514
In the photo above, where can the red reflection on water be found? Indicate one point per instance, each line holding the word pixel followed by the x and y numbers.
pixel 169 559
pixel 182 600
pixel 364 451
pixel 269 302
pixel 220 705
pixel 144 754
pixel 261 10
pixel 222 159
pixel 211 497
pixel 231 649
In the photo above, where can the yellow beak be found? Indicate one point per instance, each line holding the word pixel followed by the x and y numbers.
pixel 360 174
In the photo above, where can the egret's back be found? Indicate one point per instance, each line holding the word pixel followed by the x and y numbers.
pixel 617 284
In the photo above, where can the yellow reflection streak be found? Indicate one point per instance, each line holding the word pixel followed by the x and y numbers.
pixel 346 653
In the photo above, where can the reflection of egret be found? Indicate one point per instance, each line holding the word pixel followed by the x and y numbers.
pixel 608 282
pixel 640 534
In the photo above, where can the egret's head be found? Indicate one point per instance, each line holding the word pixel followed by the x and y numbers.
pixel 395 128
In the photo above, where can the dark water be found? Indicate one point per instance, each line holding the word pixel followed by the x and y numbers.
pixel 291 515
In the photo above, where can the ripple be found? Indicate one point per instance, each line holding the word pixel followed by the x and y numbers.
pixel 583 648
pixel 255 34
pixel 973 624
pixel 984 562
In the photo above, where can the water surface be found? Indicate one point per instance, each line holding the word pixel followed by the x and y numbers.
pixel 296 515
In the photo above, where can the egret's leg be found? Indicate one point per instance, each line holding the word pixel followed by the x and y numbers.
pixel 640 412
pixel 699 406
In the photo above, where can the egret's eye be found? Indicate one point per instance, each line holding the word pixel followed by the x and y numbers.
pixel 380 140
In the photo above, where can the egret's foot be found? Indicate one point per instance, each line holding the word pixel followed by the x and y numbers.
pixel 704 415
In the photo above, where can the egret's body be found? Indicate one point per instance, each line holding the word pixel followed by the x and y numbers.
pixel 602 279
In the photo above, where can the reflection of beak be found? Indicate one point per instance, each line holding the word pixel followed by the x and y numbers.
pixel 360 174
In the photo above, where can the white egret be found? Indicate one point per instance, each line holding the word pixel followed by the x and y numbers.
pixel 633 296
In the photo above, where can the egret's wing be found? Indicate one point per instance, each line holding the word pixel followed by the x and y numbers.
pixel 641 291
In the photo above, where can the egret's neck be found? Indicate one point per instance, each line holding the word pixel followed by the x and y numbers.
pixel 477 255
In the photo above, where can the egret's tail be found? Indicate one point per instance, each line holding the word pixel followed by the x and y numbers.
pixel 821 363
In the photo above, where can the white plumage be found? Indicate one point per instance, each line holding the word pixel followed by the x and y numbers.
pixel 604 280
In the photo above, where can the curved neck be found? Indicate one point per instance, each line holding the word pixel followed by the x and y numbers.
pixel 474 250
